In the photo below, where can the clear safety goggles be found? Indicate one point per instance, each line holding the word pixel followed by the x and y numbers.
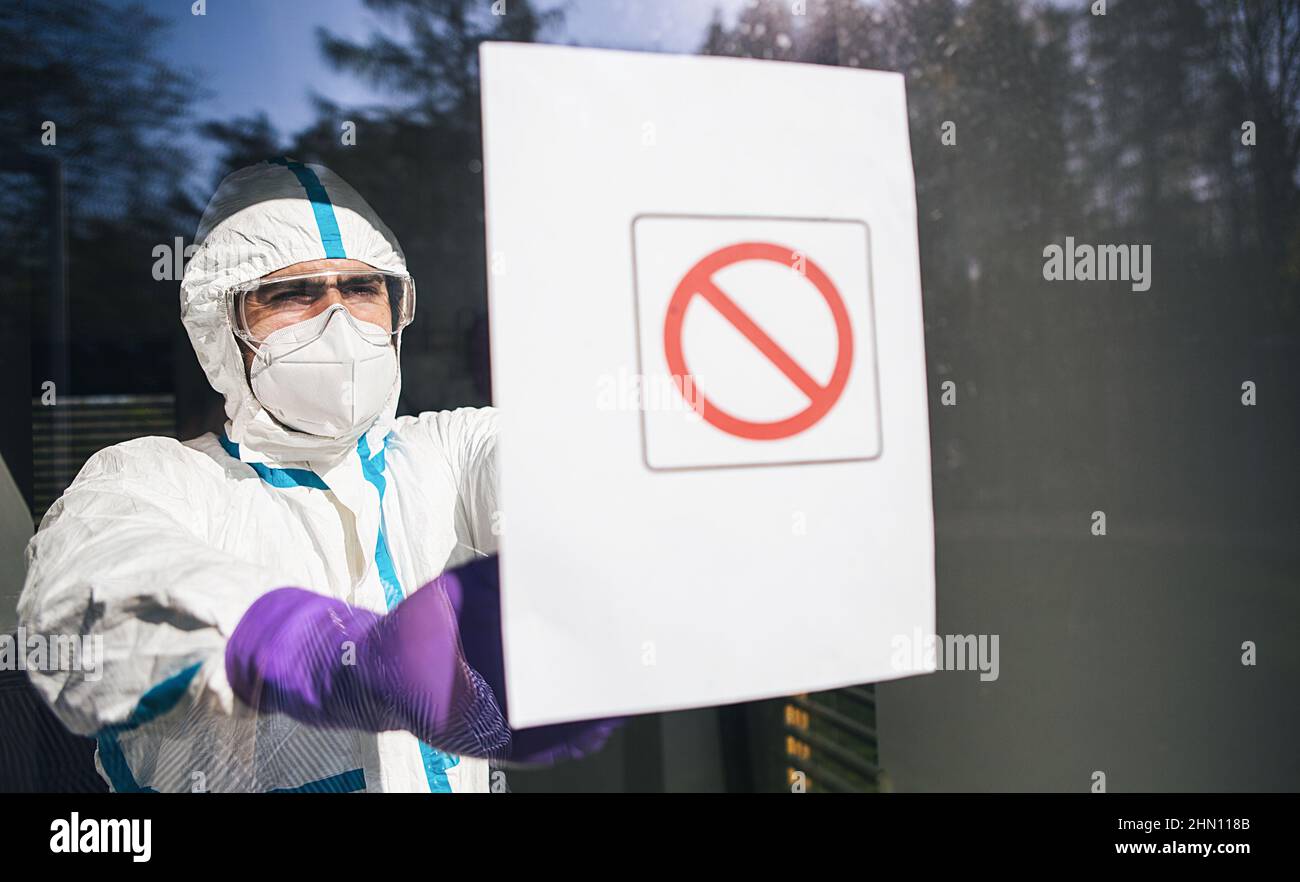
pixel 259 308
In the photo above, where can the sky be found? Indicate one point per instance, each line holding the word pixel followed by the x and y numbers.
pixel 262 55
pixel 250 55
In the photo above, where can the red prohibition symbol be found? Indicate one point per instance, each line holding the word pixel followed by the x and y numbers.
pixel 698 282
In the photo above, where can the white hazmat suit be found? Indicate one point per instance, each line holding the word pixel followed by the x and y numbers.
pixel 160 546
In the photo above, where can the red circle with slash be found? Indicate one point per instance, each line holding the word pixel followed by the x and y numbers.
pixel 698 282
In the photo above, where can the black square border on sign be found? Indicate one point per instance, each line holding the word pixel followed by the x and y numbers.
pixel 636 321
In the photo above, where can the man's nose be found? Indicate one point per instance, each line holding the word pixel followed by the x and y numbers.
pixel 331 296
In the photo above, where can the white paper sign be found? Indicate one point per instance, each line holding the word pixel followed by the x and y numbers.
pixel 707 348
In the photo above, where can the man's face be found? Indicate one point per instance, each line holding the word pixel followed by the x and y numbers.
pixel 351 283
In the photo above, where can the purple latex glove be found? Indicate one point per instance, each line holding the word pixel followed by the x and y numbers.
pixel 328 664
pixel 475 593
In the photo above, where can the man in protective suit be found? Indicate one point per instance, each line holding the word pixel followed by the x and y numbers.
pixel 307 601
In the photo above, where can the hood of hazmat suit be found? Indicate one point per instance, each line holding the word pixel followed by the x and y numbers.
pixel 144 567
pixel 263 219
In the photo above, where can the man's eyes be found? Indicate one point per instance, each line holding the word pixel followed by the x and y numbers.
pixel 349 289
pixel 363 289
pixel 284 295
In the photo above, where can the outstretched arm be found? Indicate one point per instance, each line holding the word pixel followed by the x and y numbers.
pixel 328 664
pixel 432 666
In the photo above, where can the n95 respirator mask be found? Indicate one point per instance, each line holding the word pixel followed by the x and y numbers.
pixel 329 375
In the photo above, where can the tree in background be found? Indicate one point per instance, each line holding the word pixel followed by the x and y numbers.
pixel 1123 128
pixel 1261 44
pixel 420 158
pixel 244 141
pixel 93 70
pixel 762 30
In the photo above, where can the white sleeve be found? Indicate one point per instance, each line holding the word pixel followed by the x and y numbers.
pixel 121 561
pixel 468 435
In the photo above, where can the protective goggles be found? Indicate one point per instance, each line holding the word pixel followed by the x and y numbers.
pixel 259 308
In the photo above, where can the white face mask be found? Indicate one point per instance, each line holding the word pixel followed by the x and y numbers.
pixel 328 375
